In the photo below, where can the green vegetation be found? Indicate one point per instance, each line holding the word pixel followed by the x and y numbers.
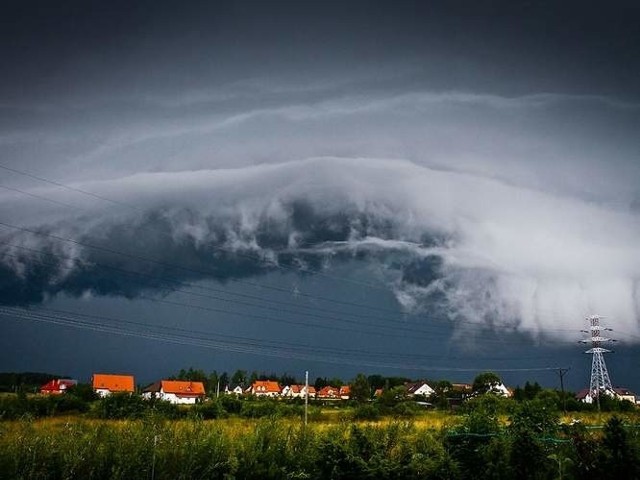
pixel 477 443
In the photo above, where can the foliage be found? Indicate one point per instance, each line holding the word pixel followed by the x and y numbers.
pixel 366 411
pixel 121 405
pixel 486 382
pixel 17 406
pixel 24 381
pixel 360 389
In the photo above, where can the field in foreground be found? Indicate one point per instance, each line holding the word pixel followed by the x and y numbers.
pixel 530 443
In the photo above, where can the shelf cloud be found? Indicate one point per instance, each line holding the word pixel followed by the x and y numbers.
pixel 474 248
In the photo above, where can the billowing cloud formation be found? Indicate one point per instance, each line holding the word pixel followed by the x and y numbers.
pixel 485 250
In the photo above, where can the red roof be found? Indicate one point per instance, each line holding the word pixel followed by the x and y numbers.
pixel 57 386
pixel 113 383
pixel 183 388
pixel 345 391
pixel 265 386
pixel 329 392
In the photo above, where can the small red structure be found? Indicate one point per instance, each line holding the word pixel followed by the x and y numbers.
pixel 57 386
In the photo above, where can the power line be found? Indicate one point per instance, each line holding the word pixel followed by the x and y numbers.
pixel 403 324
pixel 240 254
pixel 360 330
pixel 238 347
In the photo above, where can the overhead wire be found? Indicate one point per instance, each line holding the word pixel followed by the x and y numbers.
pixel 238 347
pixel 175 266
pixel 426 329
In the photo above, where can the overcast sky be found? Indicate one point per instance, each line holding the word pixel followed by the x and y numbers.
pixel 413 188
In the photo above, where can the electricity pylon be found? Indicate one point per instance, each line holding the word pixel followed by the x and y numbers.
pixel 600 381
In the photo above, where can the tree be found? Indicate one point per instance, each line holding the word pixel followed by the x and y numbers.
pixel 320 383
pixel 360 389
pixel 486 382
pixel 224 380
pixel 287 379
pixel 392 396
pixel 239 378
pixel 621 458
pixel 439 397
pixel 376 381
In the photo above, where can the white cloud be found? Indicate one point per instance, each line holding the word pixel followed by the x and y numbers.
pixel 526 258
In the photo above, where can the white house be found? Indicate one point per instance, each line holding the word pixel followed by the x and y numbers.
pixel 298 391
pixel 105 384
pixel 618 393
pixel 237 390
pixel 419 389
pixel 175 391
pixel 265 388
pixel 501 390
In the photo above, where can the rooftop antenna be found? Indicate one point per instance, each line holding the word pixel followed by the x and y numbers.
pixel 600 381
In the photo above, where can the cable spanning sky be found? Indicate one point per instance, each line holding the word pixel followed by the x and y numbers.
pixel 420 189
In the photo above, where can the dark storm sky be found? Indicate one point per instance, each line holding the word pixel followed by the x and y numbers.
pixel 464 175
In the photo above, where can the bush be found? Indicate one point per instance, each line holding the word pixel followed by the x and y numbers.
pixel 121 405
pixel 366 411
pixel 260 409
pixel 208 410
pixel 406 409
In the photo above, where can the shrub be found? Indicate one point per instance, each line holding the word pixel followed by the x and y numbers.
pixel 121 405
pixel 366 411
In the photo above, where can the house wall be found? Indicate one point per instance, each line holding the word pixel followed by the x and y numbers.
pixel 175 399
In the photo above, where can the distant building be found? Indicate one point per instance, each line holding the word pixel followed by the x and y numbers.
pixel 419 389
pixel 105 384
pixel 175 391
pixel 328 393
pixel 265 388
pixel 618 393
pixel 230 389
pixel 298 391
pixel 345 392
pixel 57 386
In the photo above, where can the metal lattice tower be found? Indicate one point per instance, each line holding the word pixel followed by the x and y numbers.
pixel 600 381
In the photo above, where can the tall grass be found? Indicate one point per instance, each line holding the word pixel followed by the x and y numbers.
pixel 236 448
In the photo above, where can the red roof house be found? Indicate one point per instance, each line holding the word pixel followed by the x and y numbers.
pixel 176 391
pixel 328 393
pixel 57 386
pixel 105 384
pixel 265 388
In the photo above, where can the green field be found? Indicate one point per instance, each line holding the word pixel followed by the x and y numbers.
pixel 481 443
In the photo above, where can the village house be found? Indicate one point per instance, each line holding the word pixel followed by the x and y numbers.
pixel 625 394
pixel 502 390
pixel 345 392
pixel 57 386
pixel 105 384
pixel 265 388
pixel 419 389
pixel 292 391
pixel 178 392
pixel 618 393
pixel 231 390
pixel 328 393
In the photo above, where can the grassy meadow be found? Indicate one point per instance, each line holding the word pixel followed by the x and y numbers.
pixel 481 442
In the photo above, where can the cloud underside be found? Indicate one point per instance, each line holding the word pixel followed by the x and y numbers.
pixel 464 246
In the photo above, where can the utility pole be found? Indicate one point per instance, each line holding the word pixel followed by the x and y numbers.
pixel 218 389
pixel 600 381
pixel 561 373
pixel 306 397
